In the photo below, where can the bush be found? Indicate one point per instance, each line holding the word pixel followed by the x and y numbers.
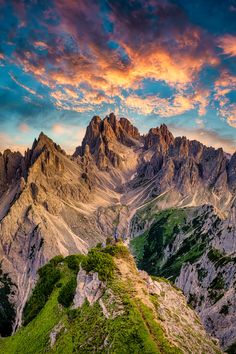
pixel 48 277
pixel 67 293
pixel 100 262
pixel 231 349
pixel 56 260
pixel 109 240
pixel 224 310
pixel 73 261
pixel 118 250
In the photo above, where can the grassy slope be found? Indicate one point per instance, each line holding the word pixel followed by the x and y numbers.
pixel 149 247
pixel 135 328
pixel 87 329
pixel 34 337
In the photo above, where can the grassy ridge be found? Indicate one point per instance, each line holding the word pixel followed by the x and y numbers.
pixel 86 330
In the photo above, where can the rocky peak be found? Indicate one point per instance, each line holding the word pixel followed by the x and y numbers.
pixel 103 135
pixel 11 168
pixel 130 129
pixel 161 138
pixel 41 144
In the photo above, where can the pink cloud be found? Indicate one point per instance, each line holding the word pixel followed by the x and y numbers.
pixel 24 128
pixel 228 45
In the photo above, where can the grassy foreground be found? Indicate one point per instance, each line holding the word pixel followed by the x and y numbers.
pixel 132 326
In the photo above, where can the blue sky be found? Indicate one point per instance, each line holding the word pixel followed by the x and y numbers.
pixel 172 62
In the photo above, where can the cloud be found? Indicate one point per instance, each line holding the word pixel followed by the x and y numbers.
pixel 72 135
pixel 7 141
pixel 168 107
pixel 24 128
pixel 228 112
pixel 41 44
pixel 85 65
pixel 228 44
pixel 224 85
pixel 33 92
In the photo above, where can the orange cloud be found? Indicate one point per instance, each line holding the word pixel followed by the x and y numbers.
pixel 96 73
pixel 41 44
pixel 228 44
pixel 228 112
pixel 168 107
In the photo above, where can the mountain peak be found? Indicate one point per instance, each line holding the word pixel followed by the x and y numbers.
pixel 102 133
pixel 159 136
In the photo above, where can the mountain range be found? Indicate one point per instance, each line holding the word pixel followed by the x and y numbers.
pixel 171 199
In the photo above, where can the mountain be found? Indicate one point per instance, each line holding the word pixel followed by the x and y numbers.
pixel 119 182
pixel 101 303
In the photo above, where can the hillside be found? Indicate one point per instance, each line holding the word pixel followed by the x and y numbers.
pixel 186 246
pixel 101 303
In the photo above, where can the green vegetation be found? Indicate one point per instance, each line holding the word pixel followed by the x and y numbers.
pixel 73 261
pixel 216 288
pixel 86 330
pixel 219 258
pixel 224 310
pixel 218 283
pixel 48 276
pixel 137 245
pixel 7 311
pixel 202 273
pixel 98 260
pixel 232 349
pixel 67 292
pixel 149 248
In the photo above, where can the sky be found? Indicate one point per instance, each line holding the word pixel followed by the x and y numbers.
pixel 152 61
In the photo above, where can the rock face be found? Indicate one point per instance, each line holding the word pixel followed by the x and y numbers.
pixel 52 203
pixel 196 249
pixel 103 137
pixel 89 288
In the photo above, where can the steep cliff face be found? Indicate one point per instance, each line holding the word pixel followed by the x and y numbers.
pixel 196 249
pixel 104 304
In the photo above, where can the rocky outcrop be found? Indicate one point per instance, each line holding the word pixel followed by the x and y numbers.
pixel 89 288
pixel 103 137
pixel 12 167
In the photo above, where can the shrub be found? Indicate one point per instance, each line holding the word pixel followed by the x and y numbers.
pixel 73 261
pixel 57 259
pixel 231 349
pixel 48 276
pixel 100 262
pixel 117 250
pixel 67 293
pixel 224 310
pixel 109 240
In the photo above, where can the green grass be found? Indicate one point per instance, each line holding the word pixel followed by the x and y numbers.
pixel 48 277
pixel 149 248
pixel 34 337
pixel 86 330
pixel 137 246
pixel 7 311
